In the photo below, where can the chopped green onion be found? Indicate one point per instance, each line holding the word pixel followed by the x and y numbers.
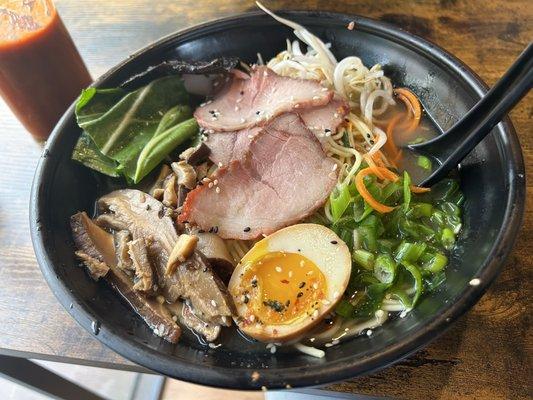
pixel 406 190
pixel 364 259
pixel 419 210
pixel 410 296
pixel 447 238
pixel 424 162
pixel 338 201
pixel 409 252
pixel 345 309
pixel 385 268
pixel 436 264
pixel 434 281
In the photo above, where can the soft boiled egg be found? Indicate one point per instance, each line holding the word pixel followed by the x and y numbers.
pixel 289 281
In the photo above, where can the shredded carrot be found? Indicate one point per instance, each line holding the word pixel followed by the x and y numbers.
pixel 363 191
pixel 390 147
pixel 372 165
pixel 413 106
pixel 419 189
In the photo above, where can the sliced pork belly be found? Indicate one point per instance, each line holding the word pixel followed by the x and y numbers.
pixel 228 146
pixel 249 102
pixel 284 177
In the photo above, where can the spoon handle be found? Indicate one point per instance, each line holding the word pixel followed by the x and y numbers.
pixel 479 121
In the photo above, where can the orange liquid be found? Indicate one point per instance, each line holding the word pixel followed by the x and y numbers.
pixel 41 71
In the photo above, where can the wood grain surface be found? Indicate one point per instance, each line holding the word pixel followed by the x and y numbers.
pixel 486 354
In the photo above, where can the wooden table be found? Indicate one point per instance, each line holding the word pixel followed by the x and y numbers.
pixel 486 354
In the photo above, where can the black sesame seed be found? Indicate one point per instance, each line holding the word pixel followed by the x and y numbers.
pixel 254 283
pixel 371 141
pixel 327 130
pixel 287 303
pixel 211 111
pixel 300 294
pixel 247 229
pixel 301 285
pixel 257 112
pixel 299 250
pixel 334 242
pixel 246 299
pixel 201 231
pixel 241 92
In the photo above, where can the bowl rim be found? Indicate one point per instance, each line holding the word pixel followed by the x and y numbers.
pixel 310 375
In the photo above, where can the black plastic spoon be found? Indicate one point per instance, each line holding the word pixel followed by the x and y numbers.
pixel 453 146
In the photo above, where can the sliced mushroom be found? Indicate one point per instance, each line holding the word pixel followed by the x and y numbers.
pixel 182 250
pixel 186 316
pixel 121 245
pixel 96 268
pixel 214 248
pixel 144 277
pixel 196 155
pixel 96 244
pixel 170 198
pixel 204 290
pixel 158 184
pixel 201 171
pixel 185 173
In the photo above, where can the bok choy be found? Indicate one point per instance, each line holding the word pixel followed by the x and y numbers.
pixel 130 133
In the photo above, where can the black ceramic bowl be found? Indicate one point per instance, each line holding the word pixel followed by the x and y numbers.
pixel 492 179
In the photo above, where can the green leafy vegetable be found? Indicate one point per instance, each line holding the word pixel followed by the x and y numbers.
pixel 120 125
pixel 424 162
pixel 339 201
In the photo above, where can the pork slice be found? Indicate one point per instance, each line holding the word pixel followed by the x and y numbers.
pixel 249 102
pixel 228 146
pixel 325 119
pixel 284 177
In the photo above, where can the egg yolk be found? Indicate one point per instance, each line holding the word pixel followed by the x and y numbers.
pixel 282 287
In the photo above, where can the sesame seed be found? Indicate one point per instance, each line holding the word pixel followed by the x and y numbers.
pixel 238 100
pixel 334 242
pixel 236 108
pixel 335 295
pixel 324 89
pixel 278 269
pixel 217 190
pixel 210 185
pixel 220 164
pixel 302 263
pixel 369 332
pixel 250 136
pixel 403 314
pixel 243 120
pixel 351 26
pixel 213 303
pixel 328 345
pixel 474 282
pixel 312 339
pixel 290 274
pixel 206 180
pixel 315 285
pixel 335 342
pixel 316 97
pixel 252 318
pixel 247 229
pixel 315 314
pixel 273 349
pixel 325 302
pixel 296 105
pixel 174 318
pixel 335 166
pixel 215 182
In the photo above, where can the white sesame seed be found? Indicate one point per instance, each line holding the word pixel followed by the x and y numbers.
pixel 328 345
pixel 252 318
pixel 290 274
pixel 269 345
pixel 217 190
pixel 220 164
pixel 236 108
pixel 324 89
pixel 315 313
pixel 335 166
pixel 213 303
pixel 335 295
pixel 206 180
pixel 273 349
pixel 336 115
pixel 215 182
pixel 312 339
pixel 302 263
pixel 351 26
pixel 278 269
pixel 238 100
pixel 210 185
pixel 403 314
pixel 243 120
pixel 174 318
pixel 346 329
pixel 316 97
pixel 474 282
pixel 296 105
pixel 369 332
pixel 325 302
pixel 315 285
pixel 265 73
pixel 335 342
pixel 250 136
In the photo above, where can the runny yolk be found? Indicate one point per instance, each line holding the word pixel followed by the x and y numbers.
pixel 284 287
